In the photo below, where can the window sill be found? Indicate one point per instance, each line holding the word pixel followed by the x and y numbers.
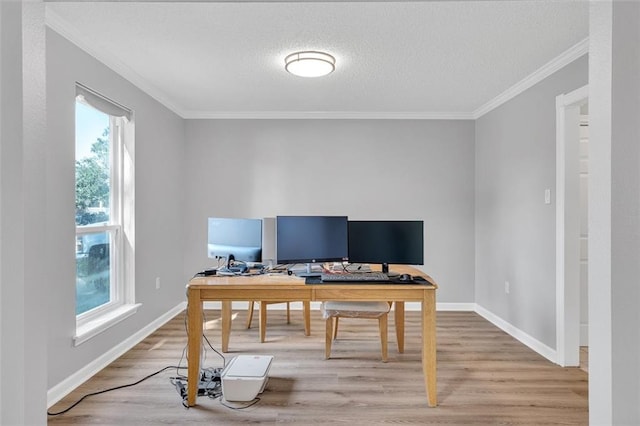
pixel 98 325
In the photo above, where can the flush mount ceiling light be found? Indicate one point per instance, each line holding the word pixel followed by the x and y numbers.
pixel 310 63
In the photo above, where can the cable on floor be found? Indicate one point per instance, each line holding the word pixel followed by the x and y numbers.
pixel 115 388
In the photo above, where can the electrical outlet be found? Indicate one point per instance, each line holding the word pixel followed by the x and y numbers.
pixel 157 283
pixel 507 287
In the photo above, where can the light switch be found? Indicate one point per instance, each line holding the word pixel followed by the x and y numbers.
pixel 547 196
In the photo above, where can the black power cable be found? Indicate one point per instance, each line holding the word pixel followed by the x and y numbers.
pixel 114 388
pixel 213 388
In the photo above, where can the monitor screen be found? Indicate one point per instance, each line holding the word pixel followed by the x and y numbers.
pixel 241 238
pixel 386 241
pixel 311 239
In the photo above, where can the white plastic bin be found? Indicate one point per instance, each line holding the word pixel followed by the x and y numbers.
pixel 245 377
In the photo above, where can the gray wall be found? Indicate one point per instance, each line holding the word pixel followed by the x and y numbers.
pixel 625 217
pixel 23 295
pixel 366 169
pixel 159 171
pixel 614 213
pixel 515 230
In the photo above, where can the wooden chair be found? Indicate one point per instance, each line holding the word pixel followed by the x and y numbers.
pixel 332 310
pixel 306 308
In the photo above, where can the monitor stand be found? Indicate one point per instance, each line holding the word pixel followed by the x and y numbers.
pixel 308 272
pixel 385 269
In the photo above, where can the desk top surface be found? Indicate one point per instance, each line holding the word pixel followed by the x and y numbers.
pixel 281 280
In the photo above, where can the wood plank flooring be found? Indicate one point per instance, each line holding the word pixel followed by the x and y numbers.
pixel 485 377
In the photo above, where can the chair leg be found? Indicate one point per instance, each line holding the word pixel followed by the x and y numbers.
pixel 306 313
pixel 382 323
pixel 334 334
pixel 306 307
pixel 328 337
pixel 250 314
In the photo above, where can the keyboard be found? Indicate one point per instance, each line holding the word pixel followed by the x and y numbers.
pixel 355 277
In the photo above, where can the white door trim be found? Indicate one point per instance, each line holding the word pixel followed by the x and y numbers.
pixel 568 226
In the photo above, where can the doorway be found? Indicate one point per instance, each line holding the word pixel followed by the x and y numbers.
pixel 571 234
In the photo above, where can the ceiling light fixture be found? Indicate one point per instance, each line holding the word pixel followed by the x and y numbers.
pixel 310 63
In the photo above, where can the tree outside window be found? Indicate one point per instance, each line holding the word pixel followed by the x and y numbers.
pixel 93 182
pixel 94 286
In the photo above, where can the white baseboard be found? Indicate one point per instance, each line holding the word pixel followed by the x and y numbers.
pixel 536 345
pixel 462 307
pixel 63 388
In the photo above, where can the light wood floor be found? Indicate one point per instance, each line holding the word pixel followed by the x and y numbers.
pixel 485 377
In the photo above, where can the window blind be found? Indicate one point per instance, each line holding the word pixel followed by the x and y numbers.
pixel 102 103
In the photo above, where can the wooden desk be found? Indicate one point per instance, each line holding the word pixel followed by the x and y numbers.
pixel 282 287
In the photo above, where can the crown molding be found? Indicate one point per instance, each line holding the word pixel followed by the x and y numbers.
pixel 59 25
pixel 323 115
pixel 62 27
pixel 537 76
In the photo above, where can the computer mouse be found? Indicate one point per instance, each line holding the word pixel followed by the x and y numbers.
pixel 405 277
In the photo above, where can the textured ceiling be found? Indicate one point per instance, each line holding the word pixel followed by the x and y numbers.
pixel 393 59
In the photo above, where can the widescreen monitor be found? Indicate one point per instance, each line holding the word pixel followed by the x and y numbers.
pixel 311 239
pixel 235 238
pixel 386 242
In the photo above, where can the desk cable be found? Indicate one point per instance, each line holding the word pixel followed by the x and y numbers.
pixel 115 388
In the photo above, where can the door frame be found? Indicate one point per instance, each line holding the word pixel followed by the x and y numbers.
pixel 567 227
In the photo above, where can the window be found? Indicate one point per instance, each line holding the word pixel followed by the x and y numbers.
pixel 104 239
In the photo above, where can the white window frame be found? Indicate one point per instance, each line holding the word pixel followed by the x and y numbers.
pixel 122 282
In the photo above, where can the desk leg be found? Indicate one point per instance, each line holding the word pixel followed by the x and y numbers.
pixel 194 341
pixel 429 346
pixel 306 312
pixel 226 325
pixel 399 321
pixel 263 321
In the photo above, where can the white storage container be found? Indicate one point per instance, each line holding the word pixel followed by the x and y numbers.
pixel 245 377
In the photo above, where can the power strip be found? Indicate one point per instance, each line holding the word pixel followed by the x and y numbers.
pixel 210 383
pixel 210 374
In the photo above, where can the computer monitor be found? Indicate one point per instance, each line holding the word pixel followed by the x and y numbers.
pixel 311 239
pixel 386 242
pixel 235 239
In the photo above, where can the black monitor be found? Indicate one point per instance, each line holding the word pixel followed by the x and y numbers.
pixel 311 239
pixel 386 242
pixel 235 239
